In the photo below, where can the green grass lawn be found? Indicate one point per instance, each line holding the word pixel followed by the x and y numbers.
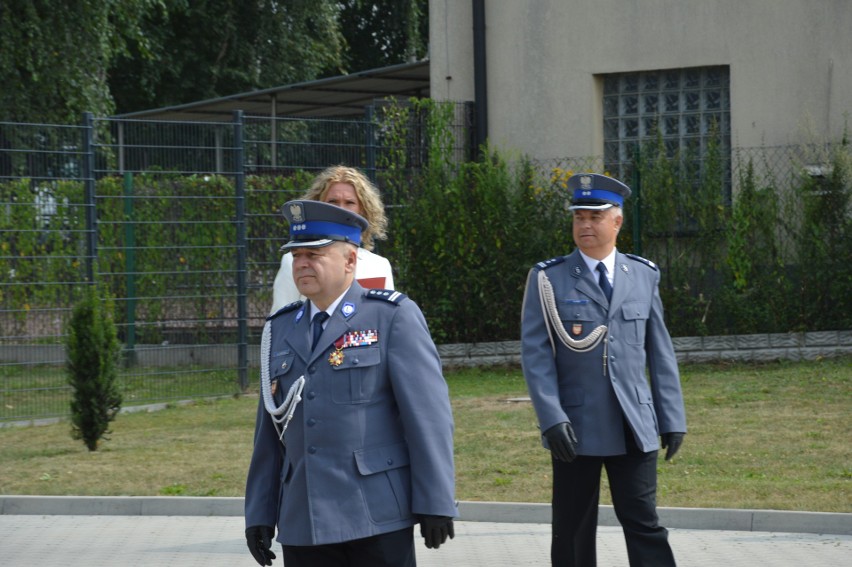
pixel 768 436
pixel 40 391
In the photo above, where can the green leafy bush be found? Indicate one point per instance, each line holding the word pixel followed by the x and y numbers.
pixel 464 235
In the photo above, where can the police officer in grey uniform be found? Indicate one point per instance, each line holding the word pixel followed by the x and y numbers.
pixel 592 325
pixel 354 435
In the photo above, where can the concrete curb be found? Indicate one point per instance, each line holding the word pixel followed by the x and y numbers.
pixel 495 512
pixel 683 518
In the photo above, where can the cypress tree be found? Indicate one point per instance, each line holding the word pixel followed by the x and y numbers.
pixel 93 351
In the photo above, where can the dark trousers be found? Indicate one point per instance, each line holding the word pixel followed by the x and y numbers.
pixel 633 485
pixel 394 549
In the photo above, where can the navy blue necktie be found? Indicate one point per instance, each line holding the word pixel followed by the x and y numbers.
pixel 604 282
pixel 316 327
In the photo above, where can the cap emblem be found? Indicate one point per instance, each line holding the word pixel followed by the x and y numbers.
pixel 296 212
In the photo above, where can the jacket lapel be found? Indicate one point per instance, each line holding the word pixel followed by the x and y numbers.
pixel 622 281
pixel 298 338
pixel 586 282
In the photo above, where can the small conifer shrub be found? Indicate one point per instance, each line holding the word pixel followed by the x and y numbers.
pixel 93 356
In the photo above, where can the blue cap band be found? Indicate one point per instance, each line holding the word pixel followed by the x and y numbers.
pixel 325 229
pixel 581 195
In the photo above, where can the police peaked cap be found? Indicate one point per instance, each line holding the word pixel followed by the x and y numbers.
pixel 596 192
pixel 314 224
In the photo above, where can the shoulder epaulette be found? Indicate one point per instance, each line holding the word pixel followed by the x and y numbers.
pixel 548 263
pixel 286 309
pixel 388 295
pixel 647 262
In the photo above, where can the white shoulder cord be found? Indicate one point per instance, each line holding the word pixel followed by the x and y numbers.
pixel 548 306
pixel 284 412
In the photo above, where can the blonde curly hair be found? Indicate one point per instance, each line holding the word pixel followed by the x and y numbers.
pixel 368 195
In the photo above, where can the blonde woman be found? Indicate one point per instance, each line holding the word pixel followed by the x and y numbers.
pixel 350 189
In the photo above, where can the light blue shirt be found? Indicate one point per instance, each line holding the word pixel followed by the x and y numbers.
pixel 609 262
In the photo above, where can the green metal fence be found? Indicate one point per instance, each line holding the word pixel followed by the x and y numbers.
pixel 179 221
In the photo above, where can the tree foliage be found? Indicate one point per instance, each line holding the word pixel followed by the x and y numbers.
pixel 54 56
pixel 383 32
pixel 59 59
pixel 210 48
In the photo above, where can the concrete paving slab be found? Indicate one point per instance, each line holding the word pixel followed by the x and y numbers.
pixel 217 541
pixel 76 531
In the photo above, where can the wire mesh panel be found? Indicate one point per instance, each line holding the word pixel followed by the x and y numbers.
pixel 276 146
pixel 43 259
pixel 169 250
pixel 179 222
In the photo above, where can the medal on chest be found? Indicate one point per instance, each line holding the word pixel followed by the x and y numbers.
pixel 336 357
pixel 351 339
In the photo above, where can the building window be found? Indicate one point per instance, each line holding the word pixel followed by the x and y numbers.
pixel 686 107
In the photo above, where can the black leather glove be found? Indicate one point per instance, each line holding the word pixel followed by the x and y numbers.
pixel 672 442
pixel 435 530
pixel 259 541
pixel 562 441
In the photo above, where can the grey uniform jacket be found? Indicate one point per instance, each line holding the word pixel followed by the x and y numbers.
pixel 594 389
pixel 371 443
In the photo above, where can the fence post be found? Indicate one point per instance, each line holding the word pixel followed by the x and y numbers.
pixel 242 269
pixel 130 271
pixel 370 144
pixel 88 170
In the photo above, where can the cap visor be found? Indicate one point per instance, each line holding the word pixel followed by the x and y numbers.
pixel 591 207
pixel 307 243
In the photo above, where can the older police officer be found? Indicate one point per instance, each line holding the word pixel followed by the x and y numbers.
pixel 592 323
pixel 354 435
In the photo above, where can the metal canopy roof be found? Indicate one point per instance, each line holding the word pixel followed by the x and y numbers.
pixel 344 96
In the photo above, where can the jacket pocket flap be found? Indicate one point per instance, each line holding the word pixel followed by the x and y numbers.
pixel 379 459
pixel 280 365
pixel 643 395
pixel 635 310
pixel 358 357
